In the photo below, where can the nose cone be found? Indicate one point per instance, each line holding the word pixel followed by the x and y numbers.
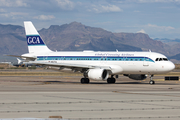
pixel 170 66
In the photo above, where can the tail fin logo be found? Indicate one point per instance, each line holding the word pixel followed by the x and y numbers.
pixel 34 40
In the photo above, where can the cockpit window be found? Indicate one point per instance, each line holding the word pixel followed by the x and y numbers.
pixel 161 59
pixel 165 59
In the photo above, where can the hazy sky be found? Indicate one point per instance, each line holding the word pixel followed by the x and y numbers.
pixel 157 18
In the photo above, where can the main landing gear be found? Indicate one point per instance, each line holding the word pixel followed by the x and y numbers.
pixel 151 82
pixel 111 80
pixel 84 80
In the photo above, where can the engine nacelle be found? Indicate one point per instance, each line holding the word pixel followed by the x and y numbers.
pixel 136 76
pixel 98 74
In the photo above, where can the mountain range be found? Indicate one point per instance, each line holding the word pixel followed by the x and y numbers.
pixel 166 40
pixel 78 37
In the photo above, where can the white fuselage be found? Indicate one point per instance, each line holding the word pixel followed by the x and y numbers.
pixel 119 62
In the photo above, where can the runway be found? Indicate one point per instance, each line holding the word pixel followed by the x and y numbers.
pixel 44 96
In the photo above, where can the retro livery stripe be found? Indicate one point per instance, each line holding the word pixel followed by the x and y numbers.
pixel 94 58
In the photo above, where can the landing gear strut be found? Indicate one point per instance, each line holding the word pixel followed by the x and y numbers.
pixel 84 80
pixel 111 80
pixel 151 82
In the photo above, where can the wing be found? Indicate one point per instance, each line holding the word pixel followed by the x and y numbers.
pixel 77 67
pixel 71 66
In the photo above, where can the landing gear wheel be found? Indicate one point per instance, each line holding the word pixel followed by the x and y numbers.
pixel 111 80
pixel 87 80
pixel 84 80
pixel 151 82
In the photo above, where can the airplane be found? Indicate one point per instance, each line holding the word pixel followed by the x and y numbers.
pixel 96 65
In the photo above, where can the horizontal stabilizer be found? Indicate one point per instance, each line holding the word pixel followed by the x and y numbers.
pixel 23 57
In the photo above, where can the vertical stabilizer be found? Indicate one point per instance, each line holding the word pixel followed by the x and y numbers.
pixel 34 40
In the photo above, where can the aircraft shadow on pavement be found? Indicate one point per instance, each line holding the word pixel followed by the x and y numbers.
pixel 93 82
pixel 74 82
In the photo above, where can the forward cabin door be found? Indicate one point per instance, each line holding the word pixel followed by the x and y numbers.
pixel 146 61
pixel 45 57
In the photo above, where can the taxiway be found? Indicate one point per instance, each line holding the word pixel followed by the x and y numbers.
pixel 44 96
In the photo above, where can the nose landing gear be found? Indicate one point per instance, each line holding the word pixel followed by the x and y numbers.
pixel 151 82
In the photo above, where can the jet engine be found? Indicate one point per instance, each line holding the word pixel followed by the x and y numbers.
pixel 98 74
pixel 136 76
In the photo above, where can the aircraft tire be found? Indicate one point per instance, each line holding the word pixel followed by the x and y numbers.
pixel 111 80
pixel 87 80
pixel 151 82
pixel 84 80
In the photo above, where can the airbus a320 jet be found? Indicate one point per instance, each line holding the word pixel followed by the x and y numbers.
pixel 96 65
